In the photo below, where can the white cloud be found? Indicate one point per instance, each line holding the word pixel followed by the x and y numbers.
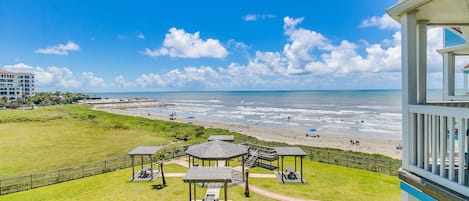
pixel 255 17
pixel 140 36
pixel 60 49
pixel 237 45
pixel 383 22
pixel 92 80
pixel 178 43
pixel 308 60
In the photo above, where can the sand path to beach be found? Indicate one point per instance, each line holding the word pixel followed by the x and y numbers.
pixel 289 136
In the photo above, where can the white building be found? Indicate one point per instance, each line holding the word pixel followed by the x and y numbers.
pixel 14 85
pixel 435 134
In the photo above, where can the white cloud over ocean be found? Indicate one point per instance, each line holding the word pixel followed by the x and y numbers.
pixel 178 43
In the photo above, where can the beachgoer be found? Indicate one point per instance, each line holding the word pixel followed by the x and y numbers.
pixel 352 142
pixel 357 142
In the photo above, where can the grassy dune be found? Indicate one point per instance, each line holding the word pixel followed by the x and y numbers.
pixel 55 137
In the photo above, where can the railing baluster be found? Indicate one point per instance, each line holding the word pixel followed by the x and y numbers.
pixel 451 151
pixel 461 140
pixel 434 144
pixel 420 130
pixel 426 141
pixel 443 142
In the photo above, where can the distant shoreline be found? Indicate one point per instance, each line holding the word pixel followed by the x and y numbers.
pixel 124 103
pixel 326 139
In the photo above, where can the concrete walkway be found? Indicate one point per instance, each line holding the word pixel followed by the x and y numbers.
pixel 174 174
pixel 272 195
pixel 257 175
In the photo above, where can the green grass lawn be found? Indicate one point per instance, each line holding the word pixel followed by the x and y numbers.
pixel 331 182
pixel 325 182
pixel 114 186
pixel 49 138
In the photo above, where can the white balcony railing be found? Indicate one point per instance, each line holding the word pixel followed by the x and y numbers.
pixel 439 144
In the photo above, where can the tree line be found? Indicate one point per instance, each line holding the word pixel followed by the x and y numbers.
pixel 42 99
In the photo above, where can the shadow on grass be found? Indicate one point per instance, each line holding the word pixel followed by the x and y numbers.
pixel 158 186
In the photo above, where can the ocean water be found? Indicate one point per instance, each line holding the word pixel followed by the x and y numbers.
pixel 361 113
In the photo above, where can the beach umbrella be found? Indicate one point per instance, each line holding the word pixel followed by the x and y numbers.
pixel 190 117
pixel 312 130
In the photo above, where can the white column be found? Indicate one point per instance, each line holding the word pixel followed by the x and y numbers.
pixel 448 76
pixel 409 84
pixel 422 60
pixel 461 141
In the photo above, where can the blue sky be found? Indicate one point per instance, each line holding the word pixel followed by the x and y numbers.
pixel 100 46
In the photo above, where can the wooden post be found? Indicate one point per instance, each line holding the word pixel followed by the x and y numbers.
pixel 203 163
pixel 0 187
pixel 225 189
pixel 190 191
pixel 195 193
pixel 141 157
pixel 133 166
pixel 189 161
pixel 246 184
pixel 242 166
pixel 301 169
pixel 82 171
pixel 282 170
pixel 151 167
pixel 31 180
pixel 162 174
pixel 105 164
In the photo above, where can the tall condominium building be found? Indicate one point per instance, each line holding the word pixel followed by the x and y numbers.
pixel 435 158
pixel 14 85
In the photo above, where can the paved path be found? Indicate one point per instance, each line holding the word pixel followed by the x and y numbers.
pixel 257 175
pixel 174 174
pixel 180 161
pixel 272 195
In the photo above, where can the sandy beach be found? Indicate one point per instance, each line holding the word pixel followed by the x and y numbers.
pixel 326 139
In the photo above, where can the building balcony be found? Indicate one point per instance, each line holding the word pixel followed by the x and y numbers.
pixel 438 133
